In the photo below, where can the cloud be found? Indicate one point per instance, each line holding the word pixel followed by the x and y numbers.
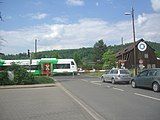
pixel 61 19
pixel 75 2
pixel 141 19
pixel 83 33
pixel 156 5
pixel 37 16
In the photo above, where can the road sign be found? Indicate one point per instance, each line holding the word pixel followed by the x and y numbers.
pixel 142 46
pixel 141 61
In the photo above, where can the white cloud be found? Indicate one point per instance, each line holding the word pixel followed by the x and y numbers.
pixel 156 5
pixel 37 16
pixel 61 19
pixel 75 2
pixel 141 19
pixel 84 33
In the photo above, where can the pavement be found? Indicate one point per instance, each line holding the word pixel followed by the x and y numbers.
pixel 39 102
pixel 27 86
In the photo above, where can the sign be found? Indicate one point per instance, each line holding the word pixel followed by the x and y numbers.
pixel 47 68
pixel 141 61
pixel 141 66
pixel 142 46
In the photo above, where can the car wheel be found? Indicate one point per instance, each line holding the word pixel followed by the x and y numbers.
pixel 113 81
pixel 156 87
pixel 103 80
pixel 133 83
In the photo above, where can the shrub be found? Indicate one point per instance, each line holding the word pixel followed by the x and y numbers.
pixel 43 79
pixel 4 79
pixel 21 76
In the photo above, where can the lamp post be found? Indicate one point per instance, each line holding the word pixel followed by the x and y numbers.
pixel 134 40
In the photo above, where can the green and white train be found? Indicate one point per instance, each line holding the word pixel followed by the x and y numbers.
pixel 43 66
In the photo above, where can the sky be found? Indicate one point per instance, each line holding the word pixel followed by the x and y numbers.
pixel 70 24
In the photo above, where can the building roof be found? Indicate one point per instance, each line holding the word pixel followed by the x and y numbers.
pixel 1 54
pixel 130 48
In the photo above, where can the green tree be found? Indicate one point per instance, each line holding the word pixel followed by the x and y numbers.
pixel 157 54
pixel 99 50
pixel 77 59
pixel 109 60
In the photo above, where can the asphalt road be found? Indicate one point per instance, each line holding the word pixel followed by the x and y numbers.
pixel 105 101
pixel 43 103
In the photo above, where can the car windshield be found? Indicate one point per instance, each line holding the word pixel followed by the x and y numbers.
pixel 124 72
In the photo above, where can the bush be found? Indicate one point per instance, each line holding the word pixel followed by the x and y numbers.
pixel 4 79
pixel 43 79
pixel 22 77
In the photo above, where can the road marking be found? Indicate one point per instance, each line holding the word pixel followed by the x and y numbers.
pixel 108 86
pixel 95 83
pixel 84 80
pixel 93 113
pixel 147 96
pixel 118 89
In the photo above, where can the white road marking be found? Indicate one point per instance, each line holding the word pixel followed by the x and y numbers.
pixel 84 80
pixel 147 96
pixel 108 86
pixel 118 89
pixel 93 113
pixel 95 83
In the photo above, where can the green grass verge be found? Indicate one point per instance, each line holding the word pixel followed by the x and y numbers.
pixel 43 80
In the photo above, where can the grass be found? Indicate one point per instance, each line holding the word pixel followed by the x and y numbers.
pixel 43 79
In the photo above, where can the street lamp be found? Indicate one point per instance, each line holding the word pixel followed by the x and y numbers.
pixel 134 39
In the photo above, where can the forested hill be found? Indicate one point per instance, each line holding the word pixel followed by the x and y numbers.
pixel 86 54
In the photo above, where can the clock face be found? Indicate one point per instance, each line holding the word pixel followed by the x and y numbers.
pixel 142 46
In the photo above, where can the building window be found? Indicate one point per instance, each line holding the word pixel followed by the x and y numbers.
pixel 153 66
pixel 148 65
pixel 146 55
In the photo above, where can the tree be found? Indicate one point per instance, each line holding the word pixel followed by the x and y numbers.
pixel 157 54
pixel 77 59
pixel 99 50
pixel 109 60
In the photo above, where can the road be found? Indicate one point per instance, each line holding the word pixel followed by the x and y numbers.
pixel 105 101
pixel 44 103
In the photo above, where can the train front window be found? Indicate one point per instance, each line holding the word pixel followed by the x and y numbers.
pixel 72 63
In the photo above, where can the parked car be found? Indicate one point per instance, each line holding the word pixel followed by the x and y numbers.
pixel 116 75
pixel 149 78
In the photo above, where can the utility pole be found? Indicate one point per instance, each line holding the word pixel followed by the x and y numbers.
pixel 30 59
pixel 122 46
pixel 35 45
pixel 134 40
